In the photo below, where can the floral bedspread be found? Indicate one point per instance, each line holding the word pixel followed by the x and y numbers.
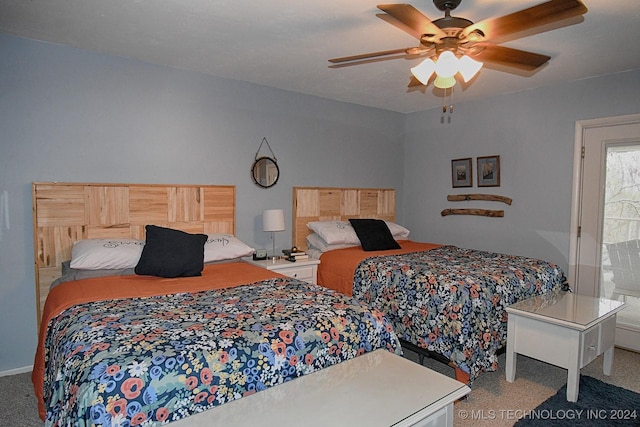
pixel 149 361
pixel 452 300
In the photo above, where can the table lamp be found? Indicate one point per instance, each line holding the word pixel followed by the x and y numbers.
pixel 273 220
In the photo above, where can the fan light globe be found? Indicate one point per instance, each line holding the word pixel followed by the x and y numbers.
pixel 447 64
pixel 444 82
pixel 424 70
pixel 468 67
pixel 446 68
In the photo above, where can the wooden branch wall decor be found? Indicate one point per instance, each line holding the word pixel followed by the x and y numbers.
pixel 480 212
pixel 489 197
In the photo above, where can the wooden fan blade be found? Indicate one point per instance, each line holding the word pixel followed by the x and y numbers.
pixel 535 16
pixel 412 18
pixel 520 59
pixel 399 25
pixel 367 55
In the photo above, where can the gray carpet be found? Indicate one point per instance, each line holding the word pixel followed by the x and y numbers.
pixel 492 402
pixel 18 406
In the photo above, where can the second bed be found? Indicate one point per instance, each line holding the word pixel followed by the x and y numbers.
pixel 441 299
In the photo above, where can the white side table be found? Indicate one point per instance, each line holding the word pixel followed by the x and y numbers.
pixel 376 389
pixel 306 270
pixel 565 329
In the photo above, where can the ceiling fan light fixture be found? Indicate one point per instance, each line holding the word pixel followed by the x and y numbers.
pixel 424 70
pixel 468 67
pixel 444 82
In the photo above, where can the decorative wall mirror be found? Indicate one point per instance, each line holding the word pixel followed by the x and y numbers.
pixel 265 171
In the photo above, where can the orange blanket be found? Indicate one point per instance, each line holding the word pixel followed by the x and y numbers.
pixel 337 267
pixel 68 294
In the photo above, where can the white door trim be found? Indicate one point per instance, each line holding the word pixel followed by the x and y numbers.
pixel 576 190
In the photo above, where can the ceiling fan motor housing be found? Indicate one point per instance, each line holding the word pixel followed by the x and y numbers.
pixel 451 27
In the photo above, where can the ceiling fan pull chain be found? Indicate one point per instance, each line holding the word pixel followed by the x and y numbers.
pixel 451 101
pixel 444 102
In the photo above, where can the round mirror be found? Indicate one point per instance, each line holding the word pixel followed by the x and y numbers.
pixel 265 172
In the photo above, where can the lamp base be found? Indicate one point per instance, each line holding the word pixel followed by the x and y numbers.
pixel 273 242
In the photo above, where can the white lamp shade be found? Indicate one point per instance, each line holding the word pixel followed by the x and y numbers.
pixel 273 220
pixel 469 67
pixel 447 64
pixel 424 70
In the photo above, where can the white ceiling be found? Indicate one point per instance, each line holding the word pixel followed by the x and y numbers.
pixel 286 44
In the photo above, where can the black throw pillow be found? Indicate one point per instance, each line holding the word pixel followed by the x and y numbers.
pixel 171 253
pixel 374 234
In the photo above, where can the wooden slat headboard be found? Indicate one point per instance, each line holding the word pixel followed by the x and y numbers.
pixel 333 203
pixel 66 212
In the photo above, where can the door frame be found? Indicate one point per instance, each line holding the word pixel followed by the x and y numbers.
pixel 576 189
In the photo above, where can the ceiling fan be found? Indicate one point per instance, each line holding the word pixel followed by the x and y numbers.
pixel 454 44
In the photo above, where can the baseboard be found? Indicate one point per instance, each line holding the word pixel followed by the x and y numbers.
pixel 16 371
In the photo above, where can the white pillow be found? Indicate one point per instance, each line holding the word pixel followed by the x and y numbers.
pixel 342 233
pixel 101 254
pixel 335 232
pixel 398 231
pixel 314 241
pixel 225 246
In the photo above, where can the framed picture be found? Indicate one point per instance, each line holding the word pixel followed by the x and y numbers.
pixel 461 173
pixel 489 171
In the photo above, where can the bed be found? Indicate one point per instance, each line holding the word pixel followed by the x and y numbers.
pixel 143 349
pixel 442 300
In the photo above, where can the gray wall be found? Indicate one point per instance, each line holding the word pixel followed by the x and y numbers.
pixel 533 133
pixel 70 115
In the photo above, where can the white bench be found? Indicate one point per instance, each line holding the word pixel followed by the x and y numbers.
pixel 376 389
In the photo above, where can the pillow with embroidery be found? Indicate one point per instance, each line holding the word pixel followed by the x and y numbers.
pixel 105 254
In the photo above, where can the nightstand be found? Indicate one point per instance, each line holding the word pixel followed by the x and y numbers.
pixel 565 329
pixel 306 270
